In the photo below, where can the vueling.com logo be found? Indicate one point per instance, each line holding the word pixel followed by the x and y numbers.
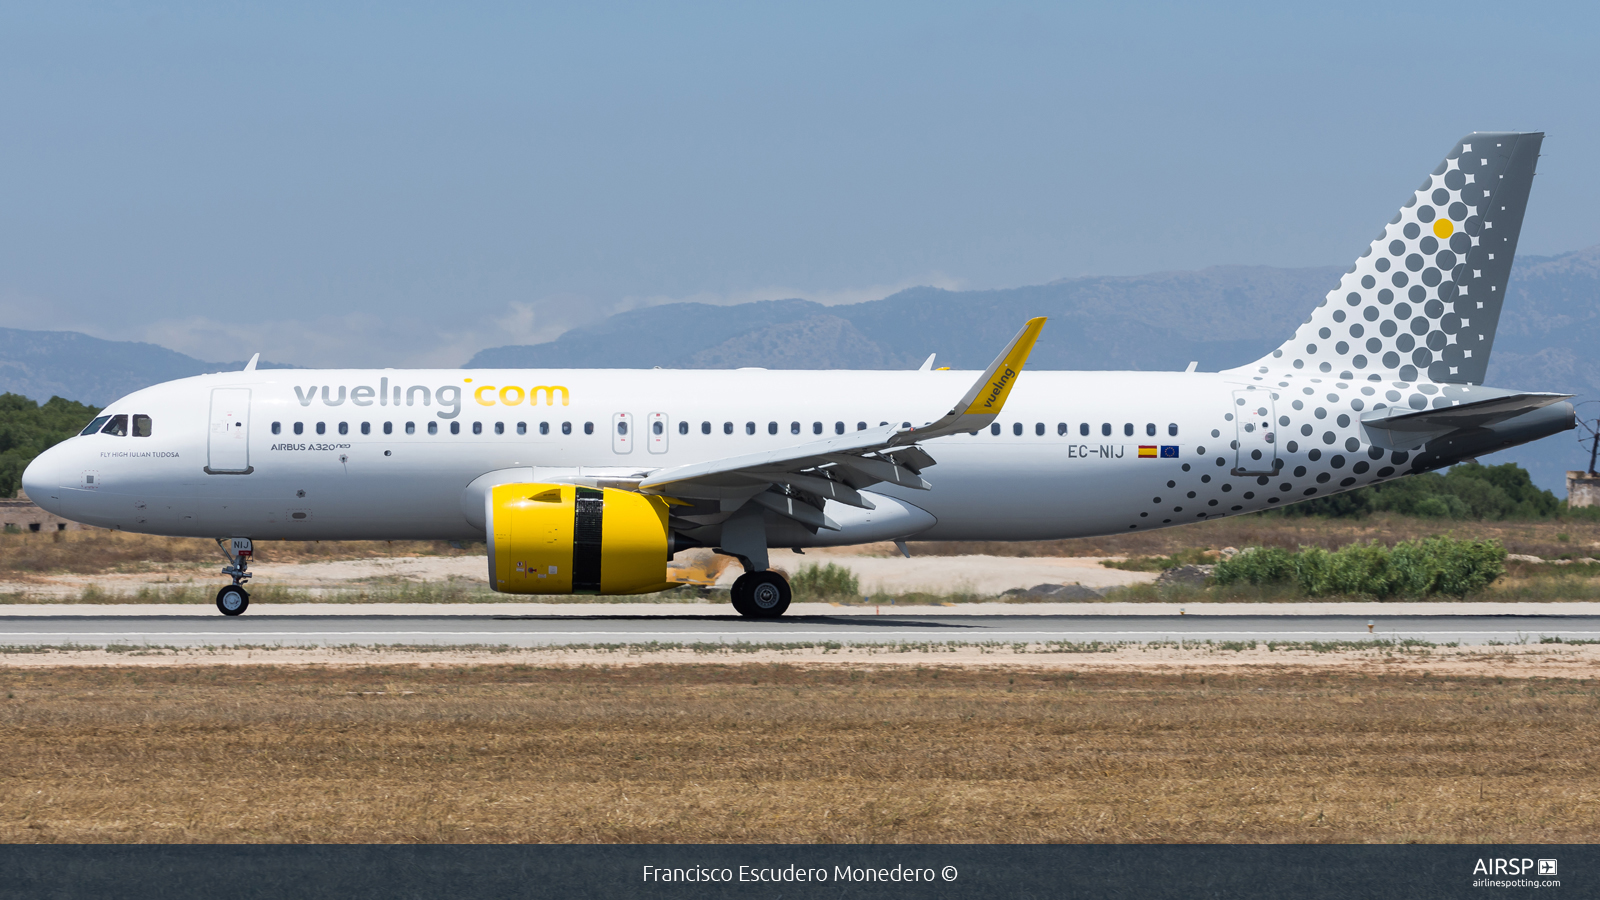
pixel 446 397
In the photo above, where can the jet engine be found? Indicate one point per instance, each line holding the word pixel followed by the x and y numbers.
pixel 569 539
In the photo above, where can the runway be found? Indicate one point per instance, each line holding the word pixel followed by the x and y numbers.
pixel 187 631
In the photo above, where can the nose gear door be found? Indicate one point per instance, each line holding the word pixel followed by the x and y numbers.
pixel 1253 418
pixel 228 443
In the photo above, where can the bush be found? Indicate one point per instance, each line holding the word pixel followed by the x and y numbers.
pixel 826 582
pixel 1468 491
pixel 1437 565
pixel 28 429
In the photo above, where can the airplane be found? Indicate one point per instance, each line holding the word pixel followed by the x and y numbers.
pixel 589 481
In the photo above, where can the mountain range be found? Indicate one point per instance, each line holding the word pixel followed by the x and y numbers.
pixel 1219 317
pixel 45 364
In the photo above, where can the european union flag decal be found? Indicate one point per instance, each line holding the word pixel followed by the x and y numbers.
pixel 1169 452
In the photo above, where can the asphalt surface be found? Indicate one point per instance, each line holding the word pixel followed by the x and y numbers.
pixel 547 630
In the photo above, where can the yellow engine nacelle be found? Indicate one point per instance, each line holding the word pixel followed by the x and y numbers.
pixel 567 539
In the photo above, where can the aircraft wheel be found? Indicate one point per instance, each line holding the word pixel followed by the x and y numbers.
pixel 740 592
pixel 232 600
pixel 761 595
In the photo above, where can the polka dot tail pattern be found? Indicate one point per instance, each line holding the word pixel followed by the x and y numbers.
pixel 1422 303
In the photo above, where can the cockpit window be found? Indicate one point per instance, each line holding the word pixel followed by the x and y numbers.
pixel 94 427
pixel 117 426
pixel 141 426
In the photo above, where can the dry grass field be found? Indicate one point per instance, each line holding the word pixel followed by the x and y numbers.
pixel 734 753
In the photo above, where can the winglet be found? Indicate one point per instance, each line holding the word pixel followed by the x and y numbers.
pixel 251 365
pixel 987 396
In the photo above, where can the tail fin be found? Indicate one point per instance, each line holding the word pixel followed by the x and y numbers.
pixel 1424 301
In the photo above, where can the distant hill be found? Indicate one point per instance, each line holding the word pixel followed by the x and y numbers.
pixel 44 364
pixel 1221 317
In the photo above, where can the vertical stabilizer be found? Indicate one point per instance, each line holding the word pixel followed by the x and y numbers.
pixel 1423 302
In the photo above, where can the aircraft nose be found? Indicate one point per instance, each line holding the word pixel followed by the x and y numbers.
pixel 43 478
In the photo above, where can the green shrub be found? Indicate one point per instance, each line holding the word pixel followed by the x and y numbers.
pixel 825 582
pixel 28 429
pixel 1437 565
pixel 1468 490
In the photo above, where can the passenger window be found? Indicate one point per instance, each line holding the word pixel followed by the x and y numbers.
pixel 433 427
pixel 1083 429
pixel 861 426
pixel 322 428
pixel 838 428
pixel 705 427
pixel 772 428
pixel 299 428
pixel 1150 429
pixel 588 428
pixel 1061 428
pixel 816 427
pixel 455 427
pixel 749 428
pixel 99 421
pixel 622 428
pixel 658 428
pixel 477 428
pixel 1016 429
pixel 117 426
pixel 1172 430
pixel 1105 429
pixel 499 428
pixel 366 427
pixel 683 426
pixel 411 428
pixel 388 428
pixel 1039 428
pixel 794 427
pixel 995 429
pixel 277 427
pixel 727 428
pixel 1127 429
pixel 566 427
pixel 344 427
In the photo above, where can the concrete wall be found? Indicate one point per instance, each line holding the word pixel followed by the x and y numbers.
pixel 22 514
pixel 1583 489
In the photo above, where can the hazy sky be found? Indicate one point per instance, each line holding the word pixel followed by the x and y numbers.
pixel 394 184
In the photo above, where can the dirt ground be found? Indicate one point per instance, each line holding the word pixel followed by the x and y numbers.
pixel 763 751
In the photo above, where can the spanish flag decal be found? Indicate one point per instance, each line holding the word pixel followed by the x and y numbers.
pixel 1147 451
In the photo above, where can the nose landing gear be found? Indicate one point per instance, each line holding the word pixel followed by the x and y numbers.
pixel 233 599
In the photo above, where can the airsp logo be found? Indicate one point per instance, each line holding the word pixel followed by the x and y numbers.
pixel 1501 866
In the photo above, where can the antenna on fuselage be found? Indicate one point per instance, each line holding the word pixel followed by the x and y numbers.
pixel 251 365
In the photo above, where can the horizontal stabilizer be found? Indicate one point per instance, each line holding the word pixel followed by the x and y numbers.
pixel 1401 427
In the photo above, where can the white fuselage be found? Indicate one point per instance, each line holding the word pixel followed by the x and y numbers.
pixel 391 459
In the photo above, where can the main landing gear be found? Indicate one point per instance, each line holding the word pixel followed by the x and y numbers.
pixel 761 595
pixel 233 599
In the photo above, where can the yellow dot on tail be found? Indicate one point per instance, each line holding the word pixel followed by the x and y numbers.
pixel 1443 229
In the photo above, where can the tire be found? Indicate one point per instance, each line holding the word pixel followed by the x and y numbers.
pixel 767 595
pixel 232 600
pixel 740 594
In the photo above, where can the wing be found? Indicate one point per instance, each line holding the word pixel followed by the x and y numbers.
pixel 795 481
